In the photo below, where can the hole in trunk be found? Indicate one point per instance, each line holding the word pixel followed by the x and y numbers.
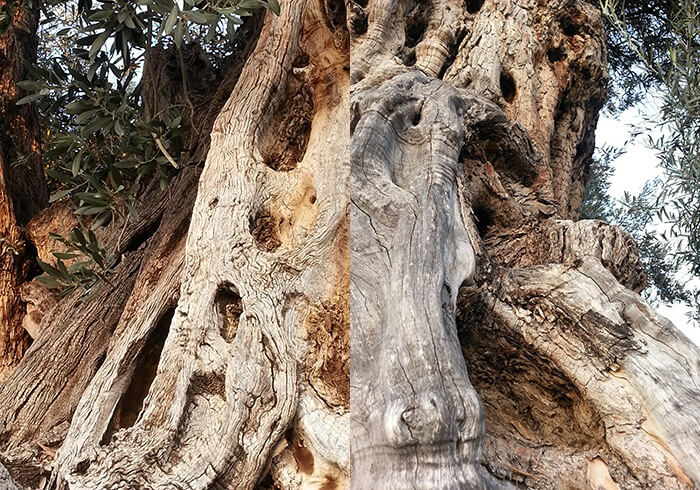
pixel 484 219
pixel 415 27
pixel 335 13
pixel 416 118
pixel 141 236
pixel 265 230
pixel 229 306
pixel 569 27
pixel 473 6
pixel 556 54
pixel 30 256
pixel 302 61
pixel 284 140
pixel 127 410
pixel 507 87
pixel 358 21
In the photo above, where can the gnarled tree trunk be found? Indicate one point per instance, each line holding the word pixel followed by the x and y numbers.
pixel 413 302
pixel 472 130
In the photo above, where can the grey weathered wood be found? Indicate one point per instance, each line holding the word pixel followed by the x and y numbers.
pixel 416 421
pixel 473 125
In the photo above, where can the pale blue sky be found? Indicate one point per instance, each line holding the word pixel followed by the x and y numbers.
pixel 632 170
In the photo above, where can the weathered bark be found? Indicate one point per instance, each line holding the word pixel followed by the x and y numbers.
pixel 439 235
pixel 253 376
pixel 472 128
pixel 39 397
pixel 22 187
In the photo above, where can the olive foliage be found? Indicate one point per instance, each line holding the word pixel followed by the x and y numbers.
pixel 100 143
pixel 656 46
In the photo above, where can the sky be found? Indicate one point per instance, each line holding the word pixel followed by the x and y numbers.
pixel 631 171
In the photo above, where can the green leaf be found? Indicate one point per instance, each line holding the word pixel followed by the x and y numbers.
pixel 101 123
pixel 101 14
pixel 87 115
pixel 58 176
pixel 77 236
pixel 65 256
pixel 89 210
pixel 132 211
pixel 59 195
pixel 77 161
pixel 49 282
pixel 29 98
pixel 97 45
pixel 178 34
pixel 196 16
pixel 211 32
pixel 49 269
pixel 78 106
pixel 101 220
pixel 170 22
pixel 274 6
pixel 31 85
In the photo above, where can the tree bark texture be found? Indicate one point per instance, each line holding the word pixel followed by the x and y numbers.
pixel 247 374
pixel 472 131
pixel 376 270
pixel 22 186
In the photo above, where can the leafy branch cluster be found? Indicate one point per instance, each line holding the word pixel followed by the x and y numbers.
pixel 657 45
pixel 100 143
pixel 635 214
pixel 90 263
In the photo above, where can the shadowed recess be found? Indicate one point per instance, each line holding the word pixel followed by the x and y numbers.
pixel 473 6
pixel 569 25
pixel 229 307
pixel 415 26
pixel 265 230
pixel 507 87
pixel 556 54
pixel 532 409
pixel 484 219
pixel 127 410
pixel 358 20
pixel 335 14
pixel 284 142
